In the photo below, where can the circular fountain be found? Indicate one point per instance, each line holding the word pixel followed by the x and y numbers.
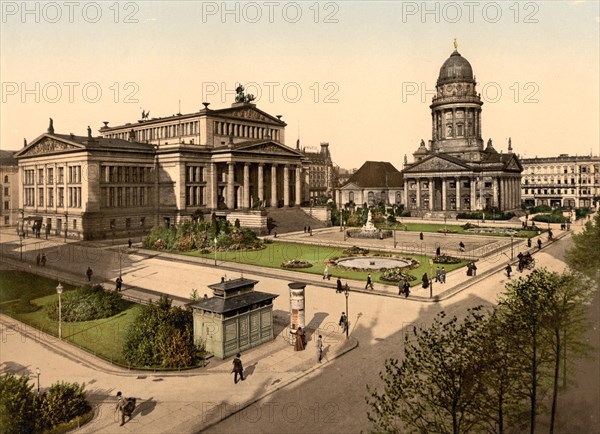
pixel 372 262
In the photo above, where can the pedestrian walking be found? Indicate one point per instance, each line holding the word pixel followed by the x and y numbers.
pixel 539 243
pixel 369 282
pixel 406 288
pixel 421 236
pixel 310 231
pixel 129 243
pixel 438 274
pixel 508 270
pixel 319 348
pixel 119 283
pixel 338 287
pixel 443 275
pixel 438 251
pixel 343 322
pixel 238 368
pixel 326 273
pixel 125 406
pixel 89 274
pixel 529 242
pixel 461 246
pixel 474 269
pixel 304 229
pixel 425 281
pixel 44 259
pixel 38 259
pixel 469 269
pixel 300 343
pixel 550 235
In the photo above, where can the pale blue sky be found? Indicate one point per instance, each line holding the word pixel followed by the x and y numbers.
pixel 368 57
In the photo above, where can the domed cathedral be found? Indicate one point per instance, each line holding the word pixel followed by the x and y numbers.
pixel 455 173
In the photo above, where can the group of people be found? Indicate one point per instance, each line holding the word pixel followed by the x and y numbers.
pixel 404 288
pixel 300 343
pixel 308 230
pixel 343 323
pixel 524 261
pixel 339 288
pixel 41 259
pixel 472 269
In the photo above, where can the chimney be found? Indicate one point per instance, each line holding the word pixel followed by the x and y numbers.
pixel 324 148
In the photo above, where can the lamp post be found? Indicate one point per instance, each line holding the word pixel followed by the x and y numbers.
pixel 394 231
pixel 21 244
pixel 512 256
pixel 120 261
pixel 341 221
pixel 347 294
pixel 59 290
pixel 38 372
pixel 215 240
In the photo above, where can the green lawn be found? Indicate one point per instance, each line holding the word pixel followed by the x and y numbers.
pixel 435 227
pixel 278 252
pixel 24 297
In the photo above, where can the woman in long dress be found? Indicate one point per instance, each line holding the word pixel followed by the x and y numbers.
pixel 299 345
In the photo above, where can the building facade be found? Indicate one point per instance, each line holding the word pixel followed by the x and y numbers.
pixel 321 174
pixel 375 182
pixel 565 181
pixel 455 173
pixel 9 195
pixel 160 171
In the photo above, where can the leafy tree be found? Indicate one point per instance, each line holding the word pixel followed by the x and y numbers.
pixel 436 387
pixel 17 408
pixel 525 317
pixel 162 336
pixel 87 303
pixel 584 257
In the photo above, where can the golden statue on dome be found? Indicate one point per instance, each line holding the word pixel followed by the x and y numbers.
pixel 455 44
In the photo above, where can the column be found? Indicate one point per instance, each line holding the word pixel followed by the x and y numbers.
pixel 274 185
pixel 406 194
pixel 418 193
pixel 230 200
pixel 453 122
pixel 443 194
pixel 214 188
pixel 431 184
pixel 246 197
pixel 362 198
pixel 473 191
pixel 286 186
pixel 261 184
pixel 458 198
pixel 299 191
pixel 495 192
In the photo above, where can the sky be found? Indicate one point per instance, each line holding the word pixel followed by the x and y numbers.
pixel 358 75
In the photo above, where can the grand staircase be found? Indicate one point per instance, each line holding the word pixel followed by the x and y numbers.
pixel 293 220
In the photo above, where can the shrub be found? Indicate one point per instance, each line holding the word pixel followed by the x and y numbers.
pixel 17 408
pixel 444 259
pixel 162 336
pixel 87 303
pixel 396 275
pixel 161 238
pixel 355 250
pixel 62 403
pixel 296 263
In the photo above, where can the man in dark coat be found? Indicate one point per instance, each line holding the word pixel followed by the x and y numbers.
pixel 425 281
pixel 338 288
pixel 119 282
pixel 406 288
pixel 508 270
pixel 238 368
pixel 89 274
pixel 539 243
pixel 369 282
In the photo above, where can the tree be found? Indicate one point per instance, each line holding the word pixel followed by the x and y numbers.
pixel 524 316
pixel 17 408
pixel 584 257
pixel 436 387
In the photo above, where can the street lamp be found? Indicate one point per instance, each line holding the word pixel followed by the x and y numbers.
pixel 120 260
pixel 215 240
pixel 37 371
pixel 21 244
pixel 512 256
pixel 347 294
pixel 59 290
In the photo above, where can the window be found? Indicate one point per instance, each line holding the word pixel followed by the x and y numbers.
pixel 50 197
pixel 6 220
pixel 50 175
pixel 128 223
pixel 61 197
pixel 61 175
pixel 113 224
pixel 5 178
pixel 40 176
pixel 6 192
pixel 488 184
pixel 142 221
pixel 351 197
pixel 74 223
pixel 40 197
pixel 6 205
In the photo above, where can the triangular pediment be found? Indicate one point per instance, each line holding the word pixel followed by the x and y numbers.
pixel 47 144
pixel 437 163
pixel 351 186
pixel 250 113
pixel 513 164
pixel 269 148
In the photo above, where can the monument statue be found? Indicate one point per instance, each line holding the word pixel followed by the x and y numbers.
pixel 489 143
pixel 51 126
pixel 241 96
pixel 89 131
pixel 455 44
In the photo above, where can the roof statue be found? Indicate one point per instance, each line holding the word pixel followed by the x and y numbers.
pixel 145 114
pixel 489 143
pixel 509 145
pixel 241 96
pixel 51 126
pixel 455 44
pixel 89 131
pixel 24 142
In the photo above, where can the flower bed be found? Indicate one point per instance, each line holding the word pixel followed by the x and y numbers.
pixel 447 231
pixel 296 263
pixel 445 259
pixel 396 275
pixel 355 250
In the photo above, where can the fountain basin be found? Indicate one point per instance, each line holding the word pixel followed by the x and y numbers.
pixel 372 262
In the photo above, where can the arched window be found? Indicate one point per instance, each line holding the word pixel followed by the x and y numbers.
pixel 370 198
pixel 398 197
pixel 5 178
